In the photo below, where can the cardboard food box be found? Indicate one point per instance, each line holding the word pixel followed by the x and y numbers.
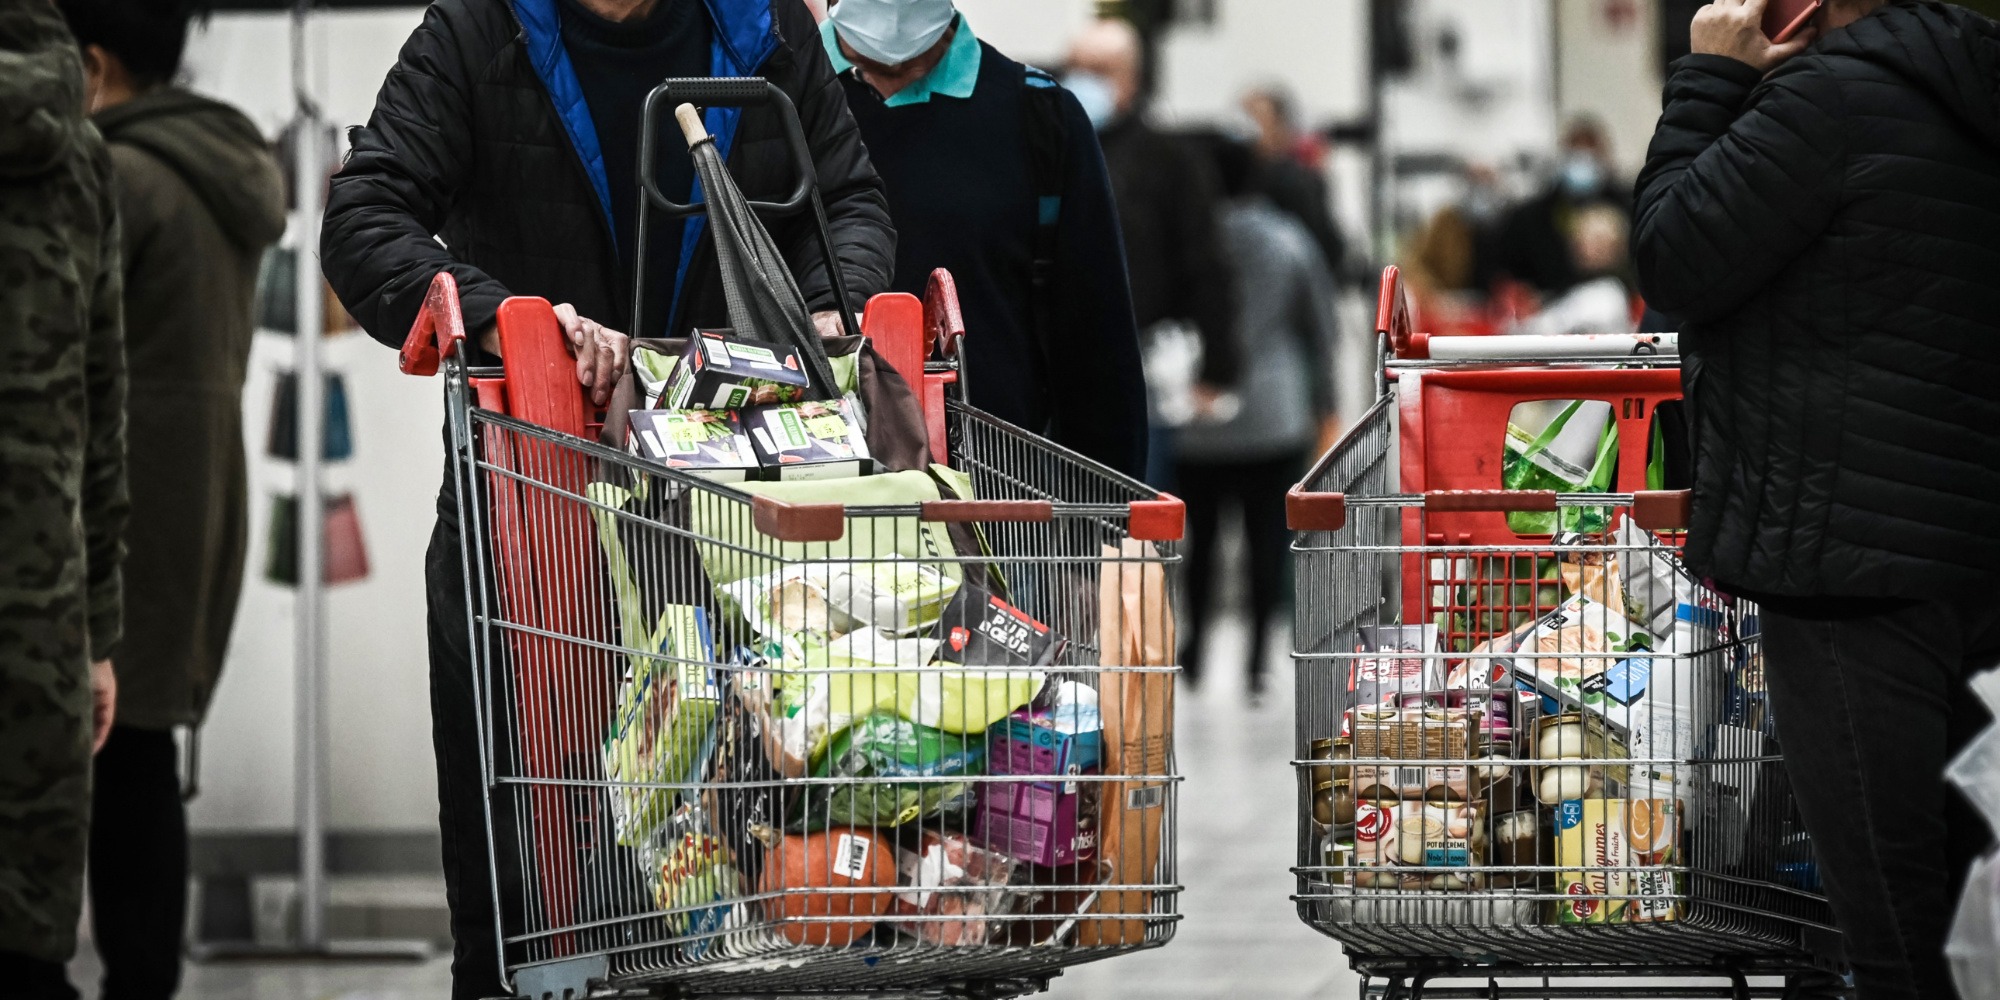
pixel 719 372
pixel 811 440
pixel 1418 835
pixel 981 630
pixel 1042 824
pixel 1604 847
pixel 1030 743
pixel 706 443
pixel 1384 680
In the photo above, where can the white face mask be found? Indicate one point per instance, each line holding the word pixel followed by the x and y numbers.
pixel 1094 92
pixel 892 32
pixel 1582 175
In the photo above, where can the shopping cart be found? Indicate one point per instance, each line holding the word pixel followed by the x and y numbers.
pixel 1529 744
pixel 746 741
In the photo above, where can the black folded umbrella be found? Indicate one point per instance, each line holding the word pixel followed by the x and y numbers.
pixel 764 302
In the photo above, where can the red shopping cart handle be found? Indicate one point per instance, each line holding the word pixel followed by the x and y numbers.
pixel 1163 519
pixel 438 330
pixel 1653 510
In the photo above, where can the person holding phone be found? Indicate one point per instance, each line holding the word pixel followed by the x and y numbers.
pixel 1821 215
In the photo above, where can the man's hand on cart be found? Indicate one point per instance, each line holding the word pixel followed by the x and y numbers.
pixel 827 323
pixel 601 352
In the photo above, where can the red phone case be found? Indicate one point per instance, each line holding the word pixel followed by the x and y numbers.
pixel 1785 18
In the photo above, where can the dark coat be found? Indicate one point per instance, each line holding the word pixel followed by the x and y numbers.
pixel 467 144
pixel 1829 239
pixel 200 197
pixel 62 474
pixel 1170 209
pixel 964 194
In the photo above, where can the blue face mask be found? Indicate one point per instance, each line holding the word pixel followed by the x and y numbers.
pixel 1095 94
pixel 892 32
pixel 1582 176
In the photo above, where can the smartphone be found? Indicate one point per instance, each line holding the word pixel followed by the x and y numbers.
pixel 1785 18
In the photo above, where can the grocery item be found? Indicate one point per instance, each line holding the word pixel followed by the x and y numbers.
pixel 1603 847
pixel 838 858
pixel 1040 823
pixel 1380 680
pixel 980 629
pixel 821 601
pixel 699 890
pixel 707 443
pixel 1576 736
pixel 953 877
pixel 717 371
pixel 1569 446
pixel 663 723
pixel 808 441
pixel 885 747
pixel 1136 628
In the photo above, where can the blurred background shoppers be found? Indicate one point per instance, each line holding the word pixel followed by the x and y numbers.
pixel 1167 206
pixel 1534 244
pixel 199 198
pixel 1825 226
pixel 993 172
pixel 1291 169
pixel 63 505
pixel 1243 462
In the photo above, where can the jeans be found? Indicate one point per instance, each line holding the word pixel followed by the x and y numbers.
pixel 1256 488
pixel 1871 704
pixel 138 864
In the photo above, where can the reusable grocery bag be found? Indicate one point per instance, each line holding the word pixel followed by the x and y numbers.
pixel 1566 447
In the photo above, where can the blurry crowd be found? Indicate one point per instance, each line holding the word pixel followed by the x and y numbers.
pixel 1555 261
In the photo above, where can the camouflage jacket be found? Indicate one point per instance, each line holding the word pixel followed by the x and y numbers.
pixel 62 470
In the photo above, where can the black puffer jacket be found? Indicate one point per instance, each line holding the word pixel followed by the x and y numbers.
pixel 1829 239
pixel 467 143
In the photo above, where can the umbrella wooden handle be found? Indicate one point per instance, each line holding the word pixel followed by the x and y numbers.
pixel 691 125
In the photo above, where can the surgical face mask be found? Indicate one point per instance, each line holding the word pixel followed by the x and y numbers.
pixel 892 32
pixel 1582 176
pixel 1095 94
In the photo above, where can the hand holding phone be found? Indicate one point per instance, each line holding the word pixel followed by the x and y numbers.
pixel 1737 29
pixel 1784 19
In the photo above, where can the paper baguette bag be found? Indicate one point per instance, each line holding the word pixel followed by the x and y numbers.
pixel 1135 629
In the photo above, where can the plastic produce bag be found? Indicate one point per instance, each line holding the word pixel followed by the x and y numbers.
pixel 884 746
pixel 1565 446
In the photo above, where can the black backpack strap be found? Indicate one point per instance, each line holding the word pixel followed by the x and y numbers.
pixel 1047 142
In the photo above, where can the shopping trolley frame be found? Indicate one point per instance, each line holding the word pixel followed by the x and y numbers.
pixel 1392 531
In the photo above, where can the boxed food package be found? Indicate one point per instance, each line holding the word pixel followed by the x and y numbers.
pixel 1041 823
pixel 953 877
pixel 663 724
pixel 706 443
pixel 1415 834
pixel 717 371
pixel 979 629
pixel 810 440
pixel 1382 680
pixel 1041 742
pixel 1604 847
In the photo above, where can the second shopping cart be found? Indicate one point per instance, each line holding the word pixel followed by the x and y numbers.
pixel 1529 742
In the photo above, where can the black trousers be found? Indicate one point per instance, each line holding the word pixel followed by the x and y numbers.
pixel 1257 488
pixel 30 978
pixel 1871 704
pixel 455 739
pixel 138 864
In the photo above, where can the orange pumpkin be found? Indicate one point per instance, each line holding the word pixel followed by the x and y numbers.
pixel 839 858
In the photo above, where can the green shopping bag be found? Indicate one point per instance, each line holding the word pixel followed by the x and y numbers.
pixel 1575 451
